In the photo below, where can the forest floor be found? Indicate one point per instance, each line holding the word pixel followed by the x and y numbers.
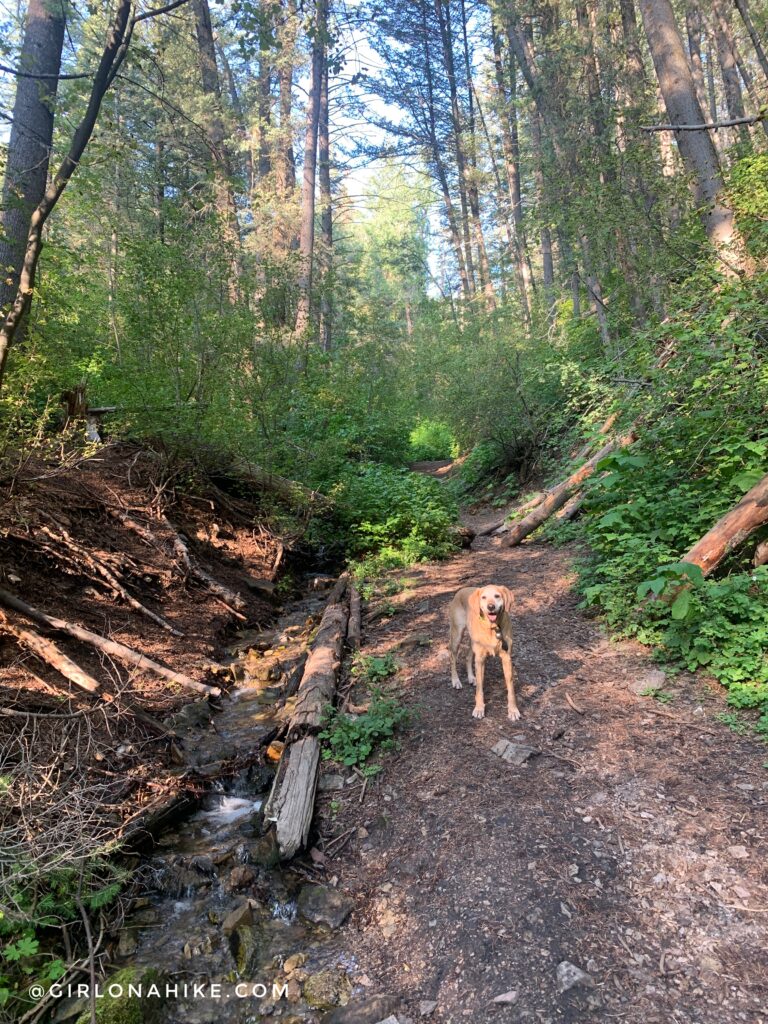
pixel 631 843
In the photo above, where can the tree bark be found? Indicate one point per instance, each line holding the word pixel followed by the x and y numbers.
pixel 29 148
pixel 734 100
pixel 326 216
pixel 118 39
pixel 731 530
pixel 743 9
pixel 693 31
pixel 217 139
pixel 697 149
pixel 559 495
pixel 307 232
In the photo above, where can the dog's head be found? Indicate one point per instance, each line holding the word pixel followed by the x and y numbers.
pixel 493 601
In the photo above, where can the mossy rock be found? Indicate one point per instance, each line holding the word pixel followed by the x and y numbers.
pixel 244 944
pixel 327 989
pixel 120 1007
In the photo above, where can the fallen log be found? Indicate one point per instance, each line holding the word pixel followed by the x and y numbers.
pixel 290 491
pixel 731 530
pixel 571 508
pixel 559 495
pixel 760 556
pixel 228 596
pixel 354 626
pixel 116 650
pixel 318 683
pixel 292 802
pixel 501 525
pixel 52 655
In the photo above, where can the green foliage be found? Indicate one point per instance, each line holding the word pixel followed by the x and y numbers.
pixel 373 669
pixel 351 739
pixel 396 516
pixel 431 440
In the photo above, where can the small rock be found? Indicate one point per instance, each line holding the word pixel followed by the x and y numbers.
pixel 242 915
pixel 327 989
pixel 294 962
pixel 653 679
pixel 240 876
pixel 275 751
pixel 569 976
pixel 507 998
pixel 324 906
pixel 738 852
pixel 126 944
pixel 427 1006
pixel 328 783
pixel 244 947
pixel 293 991
pixel 389 1020
pixel 513 753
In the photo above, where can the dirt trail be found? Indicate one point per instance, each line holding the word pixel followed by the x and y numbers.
pixel 632 844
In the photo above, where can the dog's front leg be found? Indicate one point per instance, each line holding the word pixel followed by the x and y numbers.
pixel 455 641
pixel 509 678
pixel 480 656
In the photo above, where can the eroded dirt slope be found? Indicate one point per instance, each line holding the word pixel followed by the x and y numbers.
pixel 632 844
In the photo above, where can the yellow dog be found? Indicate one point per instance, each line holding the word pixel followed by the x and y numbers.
pixel 484 613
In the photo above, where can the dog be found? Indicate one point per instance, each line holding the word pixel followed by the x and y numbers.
pixel 484 613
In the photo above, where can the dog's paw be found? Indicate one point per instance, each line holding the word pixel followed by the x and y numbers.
pixel 456 684
pixel 513 716
pixel 479 713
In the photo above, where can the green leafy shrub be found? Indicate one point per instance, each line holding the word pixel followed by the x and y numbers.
pixel 351 739
pixel 430 440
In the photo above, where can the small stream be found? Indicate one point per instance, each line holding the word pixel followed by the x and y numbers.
pixel 238 936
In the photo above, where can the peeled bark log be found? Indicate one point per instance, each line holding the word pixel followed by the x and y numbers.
pixel 732 530
pixel 52 655
pixel 320 673
pixel 501 525
pixel 559 495
pixel 760 556
pixel 117 650
pixel 292 802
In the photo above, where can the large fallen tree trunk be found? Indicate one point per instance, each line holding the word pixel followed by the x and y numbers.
pixel 559 495
pixel 501 525
pixel 117 650
pixel 52 655
pixel 732 530
pixel 291 803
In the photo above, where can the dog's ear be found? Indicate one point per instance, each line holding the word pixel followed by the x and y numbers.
pixel 473 603
pixel 509 600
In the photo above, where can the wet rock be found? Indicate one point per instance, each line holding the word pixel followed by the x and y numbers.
pixel 240 876
pixel 327 989
pixel 242 915
pixel 653 679
pixel 195 715
pixel 324 906
pixel 264 851
pixel 569 976
pixel 294 962
pixel 275 751
pixel 513 753
pixel 364 1011
pixel 245 949
pixel 126 944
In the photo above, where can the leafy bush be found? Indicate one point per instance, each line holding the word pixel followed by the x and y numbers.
pixel 395 515
pixel 431 439
pixel 351 739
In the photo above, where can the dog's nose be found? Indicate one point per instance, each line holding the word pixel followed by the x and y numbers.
pixel 491 606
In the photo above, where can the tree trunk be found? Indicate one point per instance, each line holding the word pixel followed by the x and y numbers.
pixel 118 39
pixel 326 217
pixel 545 235
pixel 734 100
pixel 29 148
pixel 307 233
pixel 743 9
pixel 732 530
pixel 697 149
pixel 558 497
pixel 693 31
pixel 216 131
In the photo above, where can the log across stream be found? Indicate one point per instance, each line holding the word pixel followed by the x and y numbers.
pixel 224 918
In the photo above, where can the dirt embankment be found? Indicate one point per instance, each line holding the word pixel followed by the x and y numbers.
pixel 139 551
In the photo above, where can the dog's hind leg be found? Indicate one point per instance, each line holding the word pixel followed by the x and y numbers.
pixel 456 634
pixel 471 666
pixel 509 678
